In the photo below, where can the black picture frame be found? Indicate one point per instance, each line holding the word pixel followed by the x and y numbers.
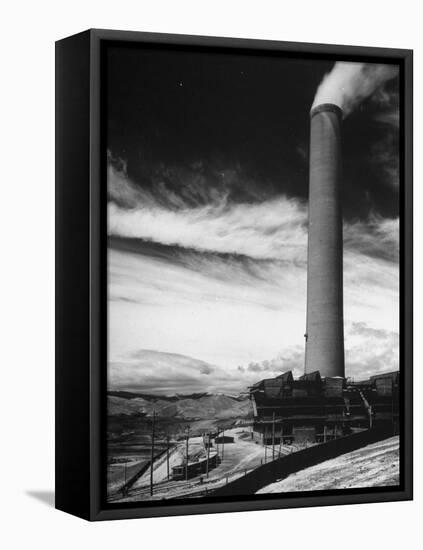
pixel 81 285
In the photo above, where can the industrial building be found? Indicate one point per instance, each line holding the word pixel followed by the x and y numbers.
pixel 315 409
pixel 196 466
pixel 224 439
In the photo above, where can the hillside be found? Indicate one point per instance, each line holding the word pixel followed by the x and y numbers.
pixel 373 466
pixel 196 406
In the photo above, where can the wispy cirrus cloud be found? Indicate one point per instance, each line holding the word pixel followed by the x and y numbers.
pixel 265 229
pixel 377 237
pixel 205 276
pixel 180 186
pixel 274 229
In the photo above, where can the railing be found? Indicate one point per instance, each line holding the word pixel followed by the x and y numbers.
pixel 123 489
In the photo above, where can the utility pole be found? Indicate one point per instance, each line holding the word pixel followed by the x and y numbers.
pixel 392 412
pixel 152 452
pixel 223 443
pixel 280 438
pixel 186 469
pixel 167 455
pixel 273 437
pixel 265 443
pixel 208 454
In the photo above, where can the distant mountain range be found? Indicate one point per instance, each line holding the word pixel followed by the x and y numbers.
pixel 151 372
pixel 196 406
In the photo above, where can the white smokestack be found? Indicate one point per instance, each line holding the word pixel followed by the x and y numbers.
pixel 348 84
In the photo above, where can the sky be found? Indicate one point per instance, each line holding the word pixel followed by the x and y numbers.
pixel 207 179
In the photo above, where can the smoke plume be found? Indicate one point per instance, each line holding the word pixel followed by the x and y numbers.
pixel 348 84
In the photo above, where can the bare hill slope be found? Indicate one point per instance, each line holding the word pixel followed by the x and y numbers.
pixel 198 407
pixel 375 465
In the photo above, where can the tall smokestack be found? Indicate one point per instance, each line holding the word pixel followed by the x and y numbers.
pixel 325 318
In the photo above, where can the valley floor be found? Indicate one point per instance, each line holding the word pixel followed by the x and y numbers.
pixel 237 458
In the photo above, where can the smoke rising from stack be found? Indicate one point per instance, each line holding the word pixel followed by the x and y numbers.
pixel 348 84
pixel 339 93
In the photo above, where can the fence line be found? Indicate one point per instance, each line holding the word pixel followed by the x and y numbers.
pixel 282 467
pixel 126 486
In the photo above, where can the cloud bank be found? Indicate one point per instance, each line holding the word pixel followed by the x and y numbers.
pixel 165 373
pixel 274 229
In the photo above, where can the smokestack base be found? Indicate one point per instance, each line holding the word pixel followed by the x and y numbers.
pixel 331 107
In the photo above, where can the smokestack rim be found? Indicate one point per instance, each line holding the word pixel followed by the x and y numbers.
pixel 325 107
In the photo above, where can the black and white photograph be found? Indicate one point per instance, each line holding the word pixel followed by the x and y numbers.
pixel 210 241
pixel 253 213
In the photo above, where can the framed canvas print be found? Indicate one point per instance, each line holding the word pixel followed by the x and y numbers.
pixel 234 275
